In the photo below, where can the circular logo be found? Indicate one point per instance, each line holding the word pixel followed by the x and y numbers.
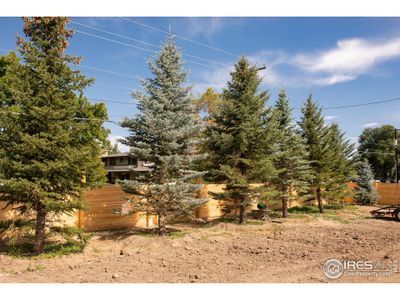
pixel 333 268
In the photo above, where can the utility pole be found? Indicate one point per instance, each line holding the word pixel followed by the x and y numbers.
pixel 396 155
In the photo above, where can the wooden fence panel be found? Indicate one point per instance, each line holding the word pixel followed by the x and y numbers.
pixel 99 215
pixel 102 201
pixel 389 193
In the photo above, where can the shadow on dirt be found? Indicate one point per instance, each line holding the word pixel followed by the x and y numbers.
pixel 121 234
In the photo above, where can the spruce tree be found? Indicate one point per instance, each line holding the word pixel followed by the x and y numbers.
pixel 164 133
pixel 50 134
pixel 291 160
pixel 365 192
pixel 240 141
pixel 341 168
pixel 315 133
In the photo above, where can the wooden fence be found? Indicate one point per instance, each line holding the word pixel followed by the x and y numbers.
pixel 103 201
pixel 389 193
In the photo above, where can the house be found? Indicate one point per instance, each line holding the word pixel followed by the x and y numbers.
pixel 123 166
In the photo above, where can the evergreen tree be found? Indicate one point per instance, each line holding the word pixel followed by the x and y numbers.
pixel 341 167
pixel 315 133
pixel 51 136
pixel 365 191
pixel 290 162
pixel 240 141
pixel 164 133
pixel 376 145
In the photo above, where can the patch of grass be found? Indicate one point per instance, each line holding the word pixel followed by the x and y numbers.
pixel 303 210
pixel 50 250
pixel 254 222
pixel 229 220
pixel 336 218
pixel 177 234
pixel 34 268
pixel 299 216
pixel 235 220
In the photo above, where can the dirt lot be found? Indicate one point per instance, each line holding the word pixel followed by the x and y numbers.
pixel 291 251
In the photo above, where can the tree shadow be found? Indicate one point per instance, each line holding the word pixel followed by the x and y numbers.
pixel 121 234
pixel 24 249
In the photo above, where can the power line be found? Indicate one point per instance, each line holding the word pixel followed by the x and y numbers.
pixel 143 42
pixel 115 34
pixel 114 41
pixel 75 118
pixel 181 37
pixel 363 104
pixel 358 105
pixel 112 101
pixel 113 85
pixel 148 50
pixel 136 77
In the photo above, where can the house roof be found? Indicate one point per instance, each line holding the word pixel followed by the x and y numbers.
pixel 122 154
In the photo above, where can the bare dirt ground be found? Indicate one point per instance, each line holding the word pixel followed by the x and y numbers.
pixel 292 251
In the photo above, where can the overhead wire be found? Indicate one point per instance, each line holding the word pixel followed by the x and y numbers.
pixel 181 37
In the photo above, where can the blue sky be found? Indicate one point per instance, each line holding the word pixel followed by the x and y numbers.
pixel 341 61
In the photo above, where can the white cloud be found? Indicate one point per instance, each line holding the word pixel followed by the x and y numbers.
pixel 348 60
pixel 114 139
pixel 372 124
pixel 327 118
pixel 351 56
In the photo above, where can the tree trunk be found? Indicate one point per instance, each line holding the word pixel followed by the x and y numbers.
pixel 284 207
pixel 40 229
pixel 283 190
pixel 319 199
pixel 242 211
pixel 161 225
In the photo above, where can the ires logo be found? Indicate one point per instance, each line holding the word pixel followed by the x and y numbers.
pixel 357 265
pixel 334 268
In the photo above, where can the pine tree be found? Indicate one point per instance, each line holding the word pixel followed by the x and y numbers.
pixel 240 140
pixel 290 162
pixel 50 137
pixel 164 133
pixel 365 191
pixel 341 167
pixel 315 133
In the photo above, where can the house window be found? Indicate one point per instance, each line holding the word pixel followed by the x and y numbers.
pixel 112 161
pixel 121 159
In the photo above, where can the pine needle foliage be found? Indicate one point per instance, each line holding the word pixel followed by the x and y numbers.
pixel 164 133
pixel 49 151
pixel 240 142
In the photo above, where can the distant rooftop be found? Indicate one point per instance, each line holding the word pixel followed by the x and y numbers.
pixel 122 154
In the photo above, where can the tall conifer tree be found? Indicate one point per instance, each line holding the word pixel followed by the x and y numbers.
pixel 164 133
pixel 51 136
pixel 315 133
pixel 291 160
pixel 341 166
pixel 241 138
